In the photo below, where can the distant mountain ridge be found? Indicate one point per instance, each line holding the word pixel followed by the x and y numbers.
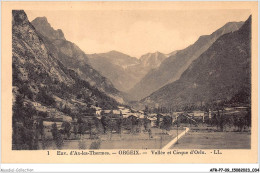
pixel 152 60
pixel 116 58
pixel 73 57
pixel 221 73
pixel 123 70
pixel 172 67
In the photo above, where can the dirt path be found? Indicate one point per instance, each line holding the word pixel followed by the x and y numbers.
pixel 168 146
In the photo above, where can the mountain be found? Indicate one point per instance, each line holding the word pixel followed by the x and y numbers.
pixel 123 70
pixel 221 73
pixel 172 67
pixel 117 58
pixel 172 53
pixel 41 80
pixel 152 60
pixel 73 57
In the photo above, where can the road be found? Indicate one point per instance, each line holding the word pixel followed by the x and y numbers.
pixel 168 146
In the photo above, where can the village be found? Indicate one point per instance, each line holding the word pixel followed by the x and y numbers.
pixel 126 127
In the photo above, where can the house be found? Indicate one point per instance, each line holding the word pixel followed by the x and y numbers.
pixel 142 112
pixel 174 118
pixel 125 111
pixel 112 113
pixel 107 112
pixel 126 115
pixel 59 124
pixel 152 115
pixel 98 112
pixel 229 109
pixel 47 124
pixel 210 114
pixel 36 104
pixel 66 118
pixel 116 112
pixel 121 107
pixel 241 108
pixel 198 113
pixel 141 116
pixel 153 121
pixel 177 113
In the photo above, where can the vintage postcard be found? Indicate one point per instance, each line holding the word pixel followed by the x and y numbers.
pixel 129 82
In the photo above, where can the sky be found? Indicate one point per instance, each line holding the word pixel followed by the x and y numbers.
pixel 137 32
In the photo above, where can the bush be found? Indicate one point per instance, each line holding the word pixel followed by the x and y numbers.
pixel 82 145
pixel 42 114
pixel 44 98
pixel 95 145
pixel 46 142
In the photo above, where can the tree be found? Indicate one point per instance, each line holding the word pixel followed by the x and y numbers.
pixel 25 91
pixel 146 110
pixel 41 128
pixel 24 133
pixel 90 126
pixel 45 98
pixel 42 114
pixel 46 142
pixel 241 123
pixel 236 123
pixel 112 126
pixel 75 131
pixel 66 110
pixel 66 128
pixel 158 120
pixel 57 136
pixel 36 140
pixel 166 123
pixel 248 118
pixel 105 123
pixel 54 131
pixel 59 141
pixel 18 109
pixel 95 144
pixel 80 120
pixel 22 138
pixel 147 123
pixel 133 123
pixel 81 129
pixel 150 133
pixel 119 125
pixel 82 144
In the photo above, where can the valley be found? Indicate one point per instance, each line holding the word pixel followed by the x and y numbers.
pixel 64 98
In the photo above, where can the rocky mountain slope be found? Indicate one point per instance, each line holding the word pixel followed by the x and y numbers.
pixel 122 70
pixel 73 57
pixel 171 68
pixel 40 79
pixel 222 73
pixel 152 60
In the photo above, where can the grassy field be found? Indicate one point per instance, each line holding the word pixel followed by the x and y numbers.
pixel 210 139
pixel 123 141
pixel 138 141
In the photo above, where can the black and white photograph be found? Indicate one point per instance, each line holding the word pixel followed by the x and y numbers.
pixel 131 79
